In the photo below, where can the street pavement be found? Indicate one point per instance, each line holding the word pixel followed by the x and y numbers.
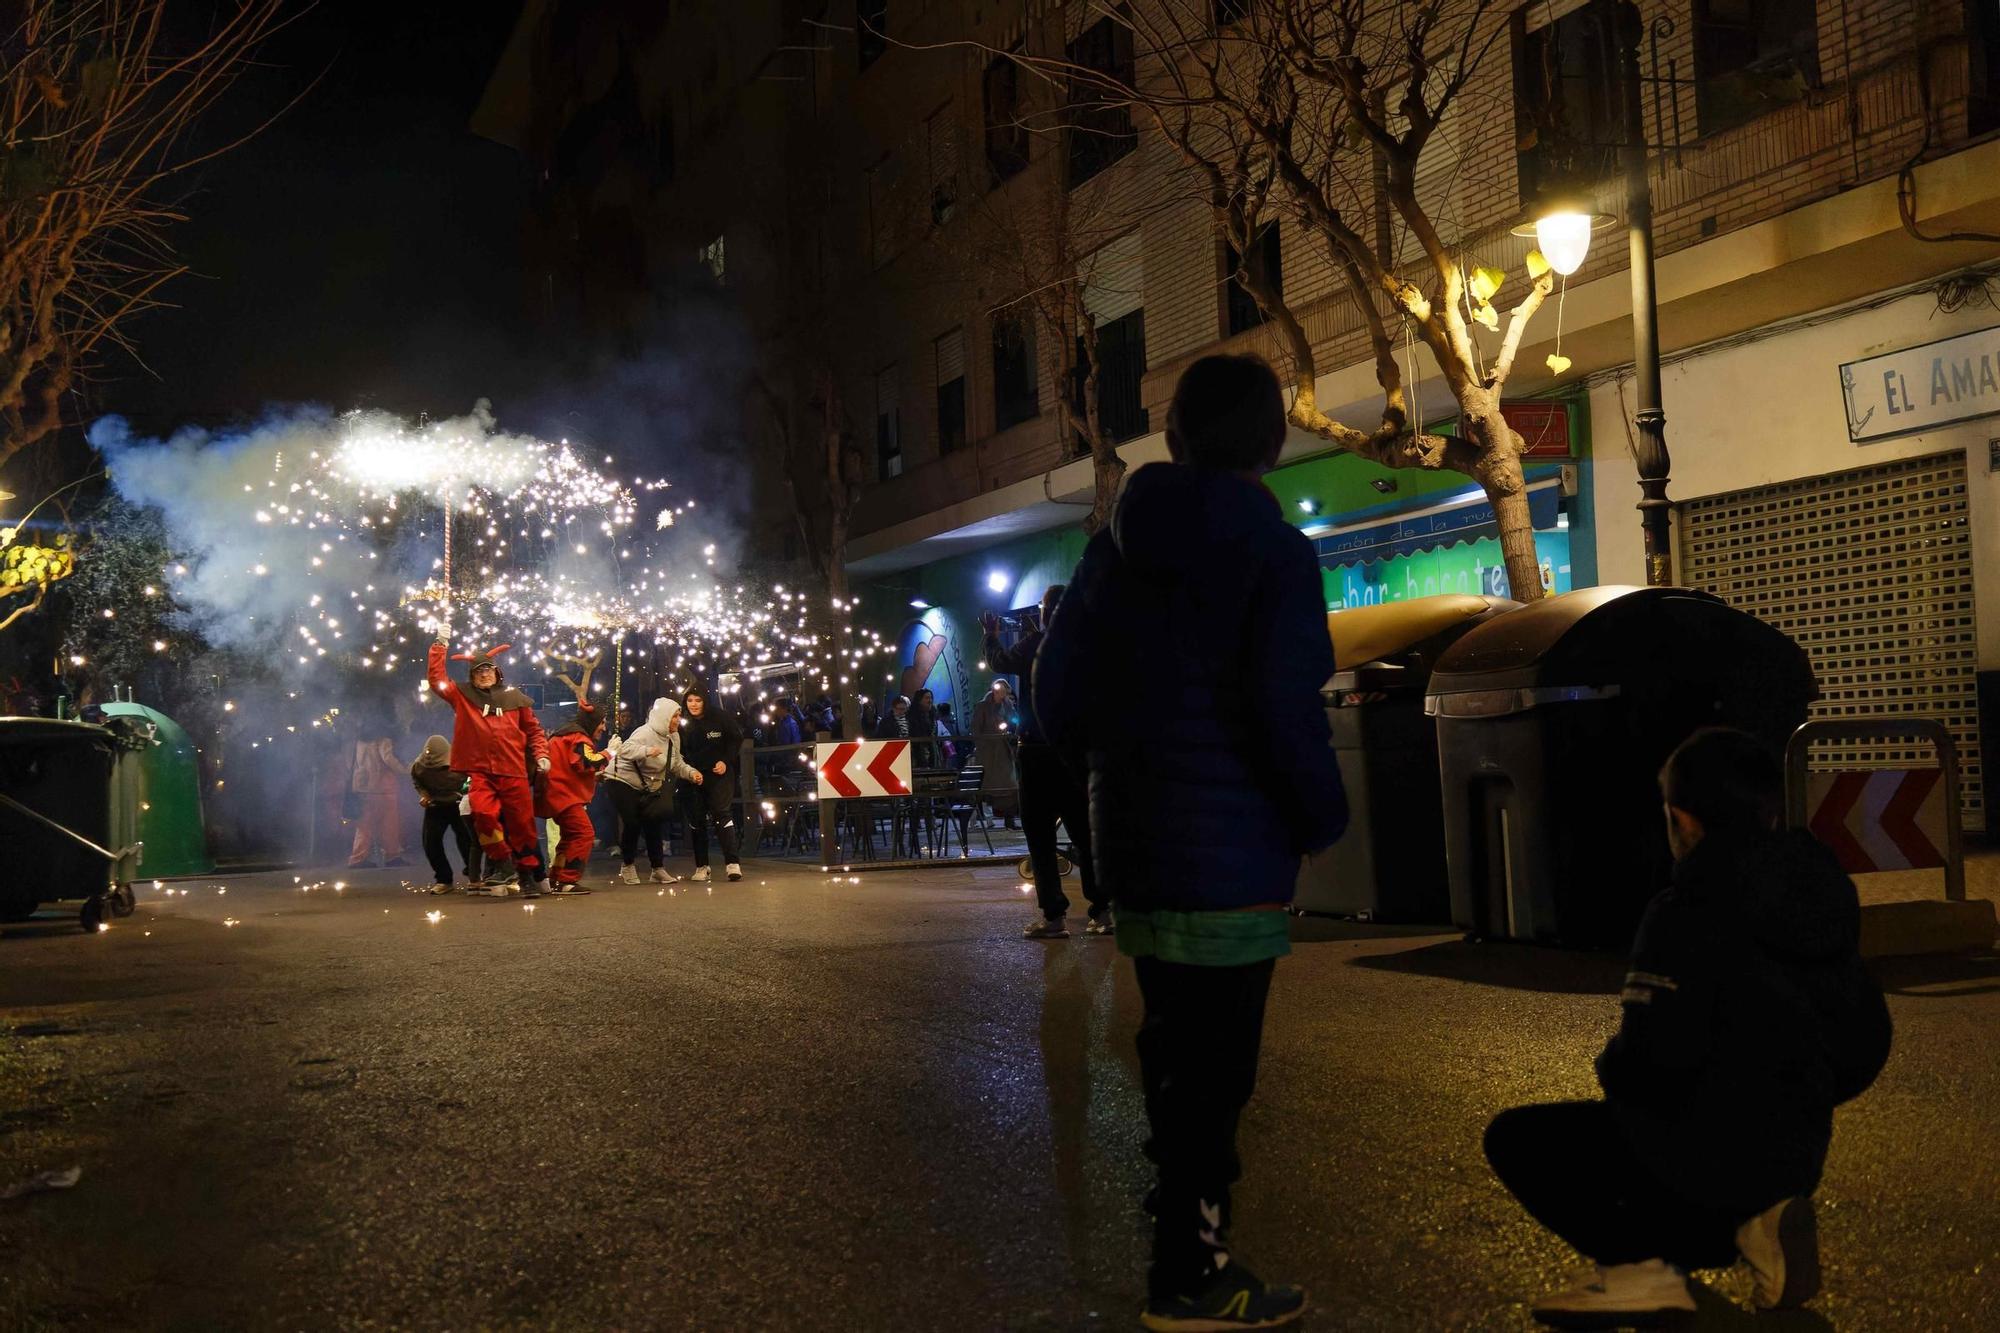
pixel 807 1103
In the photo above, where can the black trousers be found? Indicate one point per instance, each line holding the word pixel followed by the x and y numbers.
pixel 438 819
pixel 713 800
pixel 1576 1173
pixel 1051 791
pixel 640 814
pixel 1198 1049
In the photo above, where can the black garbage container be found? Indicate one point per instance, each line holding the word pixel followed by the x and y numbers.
pixel 1390 864
pixel 1552 726
pixel 68 826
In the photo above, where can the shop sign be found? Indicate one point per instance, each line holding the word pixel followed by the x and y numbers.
pixel 1936 384
pixel 1543 427
pixel 1466 566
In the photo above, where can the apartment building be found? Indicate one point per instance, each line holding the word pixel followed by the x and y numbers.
pixel 881 191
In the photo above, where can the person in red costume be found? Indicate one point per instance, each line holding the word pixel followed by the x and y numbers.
pixel 564 796
pixel 495 738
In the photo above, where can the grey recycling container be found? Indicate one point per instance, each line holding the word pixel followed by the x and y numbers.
pixel 1390 864
pixel 1552 725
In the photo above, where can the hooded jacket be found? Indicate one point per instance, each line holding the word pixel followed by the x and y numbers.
pixel 630 763
pixel 711 739
pixel 494 730
pixel 1201 590
pixel 433 776
pixel 574 763
pixel 1747 1017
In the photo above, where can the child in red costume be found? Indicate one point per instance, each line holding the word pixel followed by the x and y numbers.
pixel 574 763
pixel 495 738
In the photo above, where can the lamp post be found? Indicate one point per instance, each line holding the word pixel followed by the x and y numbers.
pixel 1562 231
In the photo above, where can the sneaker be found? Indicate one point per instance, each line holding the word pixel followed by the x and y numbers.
pixel 568 890
pixel 629 875
pixel 1232 1298
pixel 661 875
pixel 701 874
pixel 1780 1246
pixel 503 873
pixel 1046 928
pixel 734 871
pixel 445 887
pixel 1641 1295
pixel 394 862
pixel 1100 924
pixel 503 890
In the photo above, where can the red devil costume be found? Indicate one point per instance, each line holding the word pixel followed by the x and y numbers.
pixel 574 763
pixel 495 738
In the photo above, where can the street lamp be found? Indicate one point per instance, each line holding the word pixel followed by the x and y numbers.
pixel 1561 227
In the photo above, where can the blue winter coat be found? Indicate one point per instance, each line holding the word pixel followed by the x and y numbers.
pixel 1185 662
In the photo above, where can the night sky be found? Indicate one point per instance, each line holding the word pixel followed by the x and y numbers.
pixel 362 251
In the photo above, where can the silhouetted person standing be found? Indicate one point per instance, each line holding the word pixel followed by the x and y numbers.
pixel 1201 587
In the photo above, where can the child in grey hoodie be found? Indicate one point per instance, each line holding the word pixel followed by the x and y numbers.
pixel 637 780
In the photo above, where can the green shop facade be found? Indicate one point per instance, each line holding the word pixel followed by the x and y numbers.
pixel 1382 535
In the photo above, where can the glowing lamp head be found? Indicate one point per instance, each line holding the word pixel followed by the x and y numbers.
pixel 1564 239
pixel 996 581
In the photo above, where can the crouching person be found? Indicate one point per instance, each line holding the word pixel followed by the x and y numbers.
pixel 1747 1017
pixel 564 796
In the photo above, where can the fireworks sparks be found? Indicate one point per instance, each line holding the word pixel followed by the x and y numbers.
pixel 328 549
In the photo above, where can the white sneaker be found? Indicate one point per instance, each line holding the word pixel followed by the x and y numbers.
pixel 629 875
pixel 1620 1296
pixel 700 874
pixel 503 890
pixel 734 871
pixel 1780 1246
pixel 660 876
pixel 1101 924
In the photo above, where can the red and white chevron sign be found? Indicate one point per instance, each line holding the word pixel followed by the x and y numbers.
pixel 862 768
pixel 1891 819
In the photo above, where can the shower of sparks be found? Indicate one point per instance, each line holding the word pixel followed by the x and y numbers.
pixel 547 556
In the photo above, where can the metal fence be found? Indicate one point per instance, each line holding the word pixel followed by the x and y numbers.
pixel 964 802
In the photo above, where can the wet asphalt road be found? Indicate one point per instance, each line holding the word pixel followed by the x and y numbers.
pixel 798 1103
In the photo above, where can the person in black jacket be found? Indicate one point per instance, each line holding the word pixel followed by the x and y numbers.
pixel 711 744
pixel 1747 1017
pixel 439 791
pixel 1051 790
pixel 1200 587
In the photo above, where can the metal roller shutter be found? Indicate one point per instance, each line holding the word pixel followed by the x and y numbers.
pixel 1871 572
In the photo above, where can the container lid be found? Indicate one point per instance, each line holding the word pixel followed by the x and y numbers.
pixel 1607 635
pixel 30 731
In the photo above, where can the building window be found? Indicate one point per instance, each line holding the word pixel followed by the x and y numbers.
pixel 888 425
pixel 1016 389
pixel 1982 26
pixel 1751 57
pixel 1263 261
pixel 711 259
pixel 950 351
pixel 943 135
pixel 1121 366
pixel 1006 134
pixel 871 27
pixel 1100 133
pixel 1569 98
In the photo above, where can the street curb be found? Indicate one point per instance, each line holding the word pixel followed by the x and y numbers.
pixel 1897 930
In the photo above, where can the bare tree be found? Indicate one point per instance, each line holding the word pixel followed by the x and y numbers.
pixel 96 104
pixel 1319 111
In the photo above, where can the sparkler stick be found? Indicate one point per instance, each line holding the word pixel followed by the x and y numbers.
pixel 445 601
